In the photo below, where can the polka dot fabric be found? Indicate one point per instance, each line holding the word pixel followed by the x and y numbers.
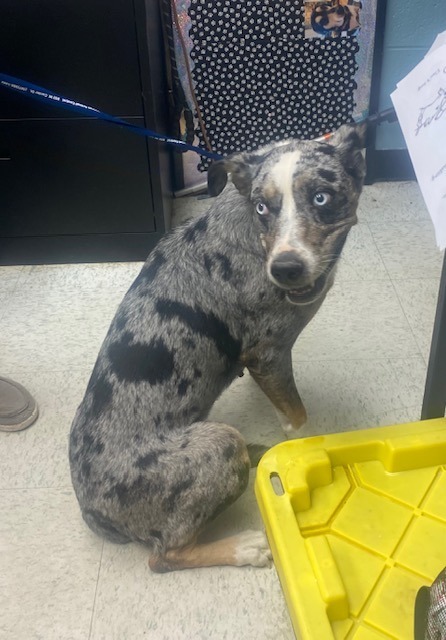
pixel 257 79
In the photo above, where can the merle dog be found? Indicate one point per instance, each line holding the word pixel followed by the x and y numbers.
pixel 229 290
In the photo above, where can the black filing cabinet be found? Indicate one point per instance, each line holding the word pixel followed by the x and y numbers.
pixel 76 189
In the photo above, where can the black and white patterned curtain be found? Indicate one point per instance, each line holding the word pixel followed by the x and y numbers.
pixel 256 75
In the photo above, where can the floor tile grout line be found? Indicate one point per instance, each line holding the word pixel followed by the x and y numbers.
pixel 421 354
pixel 10 292
pixel 19 278
pixel 397 296
pixel 423 357
pixel 96 592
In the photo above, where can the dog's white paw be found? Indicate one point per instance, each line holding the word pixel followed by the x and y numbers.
pixel 290 431
pixel 252 548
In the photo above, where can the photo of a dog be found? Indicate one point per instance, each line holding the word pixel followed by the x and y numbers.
pixel 230 290
pixel 332 19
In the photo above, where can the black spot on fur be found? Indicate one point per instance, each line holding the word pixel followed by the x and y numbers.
pixel 192 414
pixel 120 491
pixel 183 387
pixel 225 266
pixel 269 332
pixel 262 295
pixel 86 469
pixel 127 337
pixel 167 421
pixel 328 149
pixel 128 494
pixel 207 457
pixel 328 175
pixel 137 438
pixel 148 460
pixel 353 139
pixel 195 230
pixel 98 447
pixel 102 391
pixel 356 174
pixel 156 534
pixel 243 478
pixel 197 373
pixel 87 441
pixel 102 524
pixel 176 491
pixel 120 321
pixel 184 444
pixel 228 452
pixel 150 270
pixel 207 263
pixel 205 324
pixel 190 343
pixel 152 362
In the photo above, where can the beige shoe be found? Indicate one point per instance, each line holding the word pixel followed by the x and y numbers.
pixel 18 409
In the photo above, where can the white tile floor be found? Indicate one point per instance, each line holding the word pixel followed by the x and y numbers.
pixel 361 363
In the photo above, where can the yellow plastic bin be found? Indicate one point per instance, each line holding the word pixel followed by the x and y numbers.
pixel 357 524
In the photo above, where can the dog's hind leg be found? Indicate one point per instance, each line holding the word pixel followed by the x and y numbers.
pixel 247 548
pixel 273 372
pixel 206 470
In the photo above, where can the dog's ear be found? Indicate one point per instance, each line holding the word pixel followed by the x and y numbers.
pixel 239 166
pixel 217 178
pixel 350 140
pixel 243 167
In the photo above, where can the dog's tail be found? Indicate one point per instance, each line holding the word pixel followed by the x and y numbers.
pixel 255 452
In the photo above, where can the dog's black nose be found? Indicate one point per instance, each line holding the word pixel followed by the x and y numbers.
pixel 287 269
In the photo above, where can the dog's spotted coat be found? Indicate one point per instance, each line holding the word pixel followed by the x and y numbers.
pixel 230 290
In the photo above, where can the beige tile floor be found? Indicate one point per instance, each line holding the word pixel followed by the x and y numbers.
pixel 361 363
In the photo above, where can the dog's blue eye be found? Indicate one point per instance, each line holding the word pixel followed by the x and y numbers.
pixel 321 199
pixel 262 209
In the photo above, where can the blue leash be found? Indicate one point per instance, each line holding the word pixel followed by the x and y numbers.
pixel 48 97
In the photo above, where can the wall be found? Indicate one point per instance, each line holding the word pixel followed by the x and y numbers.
pixel 411 28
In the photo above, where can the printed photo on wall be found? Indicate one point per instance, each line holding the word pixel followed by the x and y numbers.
pixel 333 19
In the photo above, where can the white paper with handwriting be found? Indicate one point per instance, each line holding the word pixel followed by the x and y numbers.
pixel 420 104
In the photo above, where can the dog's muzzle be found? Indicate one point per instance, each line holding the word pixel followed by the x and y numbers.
pixel 288 270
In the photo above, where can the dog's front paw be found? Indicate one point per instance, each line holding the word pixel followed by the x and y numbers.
pixel 291 428
pixel 252 548
pixel 290 431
